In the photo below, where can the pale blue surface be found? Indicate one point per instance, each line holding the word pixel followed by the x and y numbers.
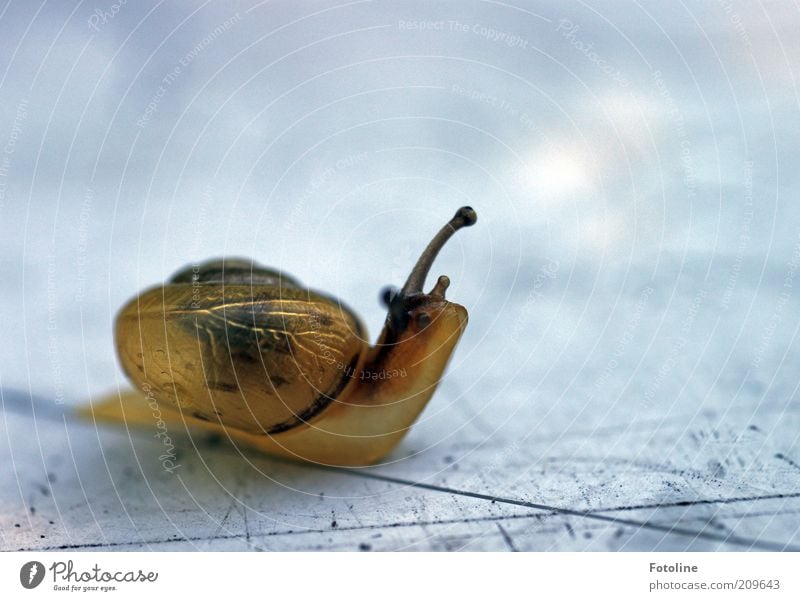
pixel 633 271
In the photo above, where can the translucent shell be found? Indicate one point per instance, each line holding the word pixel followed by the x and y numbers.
pixel 258 357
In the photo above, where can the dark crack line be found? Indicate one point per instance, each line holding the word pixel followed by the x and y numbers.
pixel 687 503
pixel 783 457
pixel 493 518
pixel 231 505
pixel 509 543
pixel 727 501
pixel 539 516
pixel 246 525
pixel 594 515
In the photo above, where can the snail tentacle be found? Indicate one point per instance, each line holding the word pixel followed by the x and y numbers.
pixel 464 217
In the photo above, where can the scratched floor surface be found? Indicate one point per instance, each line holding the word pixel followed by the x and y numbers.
pixel 531 468
pixel 629 377
pixel 719 484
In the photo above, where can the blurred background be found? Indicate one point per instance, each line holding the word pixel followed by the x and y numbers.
pixel 633 166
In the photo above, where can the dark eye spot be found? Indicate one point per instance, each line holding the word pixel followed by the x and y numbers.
pixel 423 320
pixel 387 295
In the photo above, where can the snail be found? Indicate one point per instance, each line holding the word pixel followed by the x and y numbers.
pixel 246 351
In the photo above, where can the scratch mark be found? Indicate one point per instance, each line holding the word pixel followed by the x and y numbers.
pixel 246 524
pixel 783 457
pixel 374 527
pixel 227 515
pixel 509 543
pixel 594 515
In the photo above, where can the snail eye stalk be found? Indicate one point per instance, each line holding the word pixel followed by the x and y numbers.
pixel 464 217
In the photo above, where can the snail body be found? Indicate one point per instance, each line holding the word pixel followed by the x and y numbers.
pixel 247 351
